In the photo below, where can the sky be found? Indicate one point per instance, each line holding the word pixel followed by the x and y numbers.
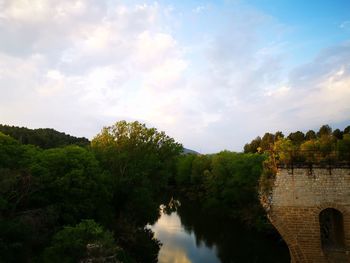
pixel 211 74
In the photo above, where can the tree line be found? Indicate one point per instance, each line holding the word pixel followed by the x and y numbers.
pixel 44 138
pixel 323 147
pixel 224 184
pixel 76 204
pixel 71 200
pixel 228 184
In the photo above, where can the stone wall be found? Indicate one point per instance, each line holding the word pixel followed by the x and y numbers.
pixel 298 197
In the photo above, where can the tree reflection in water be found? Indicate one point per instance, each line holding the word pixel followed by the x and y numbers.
pixel 190 236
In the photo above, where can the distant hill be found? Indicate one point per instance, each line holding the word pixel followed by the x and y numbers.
pixel 188 151
pixel 44 138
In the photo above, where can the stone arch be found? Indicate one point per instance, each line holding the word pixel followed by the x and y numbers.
pixel 331 229
pixel 295 251
pixel 326 205
pixel 330 205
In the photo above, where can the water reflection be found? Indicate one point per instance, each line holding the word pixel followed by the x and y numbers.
pixel 180 246
pixel 189 236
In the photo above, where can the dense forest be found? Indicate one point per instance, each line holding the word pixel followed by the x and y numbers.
pixel 44 138
pixel 73 203
pixel 224 184
pixel 231 184
pixel 65 199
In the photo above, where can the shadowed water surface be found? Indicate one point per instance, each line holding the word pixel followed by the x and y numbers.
pixel 189 236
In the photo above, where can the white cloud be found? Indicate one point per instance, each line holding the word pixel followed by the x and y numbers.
pixel 79 65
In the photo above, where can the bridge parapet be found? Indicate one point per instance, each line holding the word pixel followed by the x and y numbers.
pixel 311 210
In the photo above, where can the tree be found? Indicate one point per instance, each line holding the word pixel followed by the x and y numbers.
pixel 310 135
pixel 343 147
pixel 338 134
pixel 199 165
pixel 131 150
pixel 44 138
pixel 42 191
pixel 86 239
pixel 73 183
pixel 347 130
pixel 310 151
pixel 284 150
pixel 267 141
pixel 140 160
pixel 297 137
pixel 253 146
pixel 279 135
pixel 325 130
pixel 184 168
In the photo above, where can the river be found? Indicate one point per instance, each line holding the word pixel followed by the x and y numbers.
pixel 189 236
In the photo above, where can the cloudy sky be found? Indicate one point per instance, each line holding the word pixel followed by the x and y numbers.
pixel 211 74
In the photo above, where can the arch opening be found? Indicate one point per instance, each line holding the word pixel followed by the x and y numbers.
pixel 332 229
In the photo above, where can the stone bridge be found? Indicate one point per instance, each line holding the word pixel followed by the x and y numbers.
pixel 310 207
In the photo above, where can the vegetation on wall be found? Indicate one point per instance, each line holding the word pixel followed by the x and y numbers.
pixel 313 147
pixel 325 148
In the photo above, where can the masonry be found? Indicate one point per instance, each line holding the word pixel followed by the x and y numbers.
pixel 311 210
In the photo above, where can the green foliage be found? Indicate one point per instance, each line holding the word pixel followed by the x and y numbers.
pixel 267 141
pixel 15 241
pixel 116 180
pixel 200 164
pixel 343 147
pixel 337 134
pixel 297 137
pixel 279 135
pixel 325 130
pixel 41 190
pixel 253 146
pixel 324 148
pixel 11 152
pixel 132 149
pixel 184 169
pixel 44 138
pixel 310 135
pixel 86 239
pixel 284 149
pixel 140 160
pixel 143 246
pixel 74 184
pixel 347 130
pixel 309 148
pixel 225 183
pixel 259 145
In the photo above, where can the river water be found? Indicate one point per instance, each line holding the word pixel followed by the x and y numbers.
pixel 189 236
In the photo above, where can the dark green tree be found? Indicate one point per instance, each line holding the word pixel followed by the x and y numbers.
pixel 343 148
pixel 297 137
pixel 86 240
pixel 267 142
pixel 184 169
pixel 325 130
pixel 310 135
pixel 279 135
pixel 338 134
pixel 253 146
pixel 44 138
